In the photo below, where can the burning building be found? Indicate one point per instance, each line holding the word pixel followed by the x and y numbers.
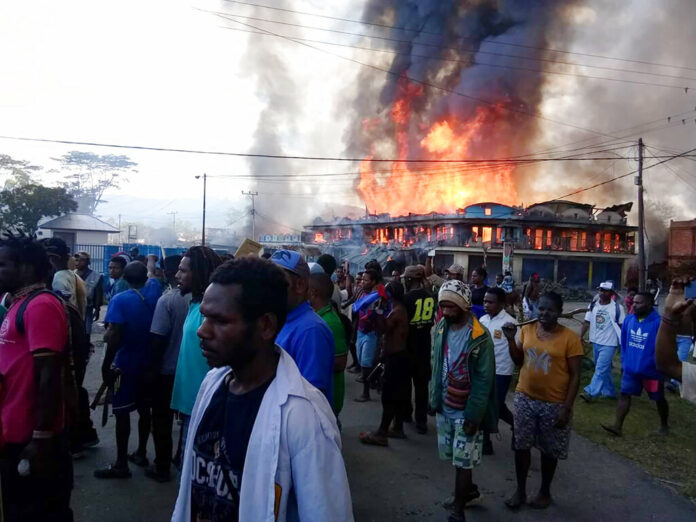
pixel 563 241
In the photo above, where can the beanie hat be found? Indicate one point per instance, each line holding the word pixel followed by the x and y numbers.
pixel 456 292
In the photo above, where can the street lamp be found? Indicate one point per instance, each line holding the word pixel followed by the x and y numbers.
pixel 205 182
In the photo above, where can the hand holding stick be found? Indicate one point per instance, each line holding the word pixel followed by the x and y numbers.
pixel 567 315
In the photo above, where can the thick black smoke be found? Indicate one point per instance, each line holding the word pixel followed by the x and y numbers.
pixel 451 44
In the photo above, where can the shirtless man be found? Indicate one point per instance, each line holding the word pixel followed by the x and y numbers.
pixel 396 387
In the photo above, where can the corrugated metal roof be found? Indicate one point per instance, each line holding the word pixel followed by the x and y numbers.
pixel 79 222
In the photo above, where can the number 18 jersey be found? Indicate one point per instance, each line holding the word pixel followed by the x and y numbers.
pixel 420 306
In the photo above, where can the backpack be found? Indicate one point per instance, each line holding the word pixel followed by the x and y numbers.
pixel 617 312
pixel 77 350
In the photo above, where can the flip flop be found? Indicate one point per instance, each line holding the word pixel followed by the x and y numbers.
pixel 112 472
pixel 367 437
pixel 611 430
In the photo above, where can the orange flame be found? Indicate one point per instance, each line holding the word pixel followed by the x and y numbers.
pixel 443 187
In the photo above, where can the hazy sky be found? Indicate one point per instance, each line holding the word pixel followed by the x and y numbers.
pixel 155 72
pixel 164 73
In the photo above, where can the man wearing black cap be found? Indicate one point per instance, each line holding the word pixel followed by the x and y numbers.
pixel 305 336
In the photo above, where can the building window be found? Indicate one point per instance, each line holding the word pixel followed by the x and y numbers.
pixel 607 242
pixel 538 239
pixel 487 234
pixel 488 211
pixel 549 237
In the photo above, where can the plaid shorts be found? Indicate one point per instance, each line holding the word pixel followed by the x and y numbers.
pixel 453 444
pixel 534 427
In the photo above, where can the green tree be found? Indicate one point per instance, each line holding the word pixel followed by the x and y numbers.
pixel 90 175
pixel 16 172
pixel 24 206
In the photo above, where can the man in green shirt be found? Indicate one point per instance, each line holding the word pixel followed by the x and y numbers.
pixel 320 291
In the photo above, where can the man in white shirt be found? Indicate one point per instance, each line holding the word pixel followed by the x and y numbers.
pixel 263 444
pixel 495 318
pixel 678 318
pixel 603 318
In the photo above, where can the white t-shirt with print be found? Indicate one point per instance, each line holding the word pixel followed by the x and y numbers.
pixel 688 384
pixel 503 362
pixel 604 329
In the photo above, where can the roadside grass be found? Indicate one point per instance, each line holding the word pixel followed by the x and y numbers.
pixel 671 458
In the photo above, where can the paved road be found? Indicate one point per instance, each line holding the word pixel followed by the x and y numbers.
pixel 407 482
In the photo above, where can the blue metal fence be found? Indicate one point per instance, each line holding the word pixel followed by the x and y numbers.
pixel 101 254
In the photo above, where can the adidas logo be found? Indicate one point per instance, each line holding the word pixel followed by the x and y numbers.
pixel 638 338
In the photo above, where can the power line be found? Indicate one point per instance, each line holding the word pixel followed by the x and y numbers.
pixel 497 42
pixel 297 157
pixel 624 175
pixel 479 63
pixel 449 48
pixel 420 82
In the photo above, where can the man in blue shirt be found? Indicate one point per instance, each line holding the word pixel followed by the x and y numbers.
pixel 305 335
pixel 638 336
pixel 127 338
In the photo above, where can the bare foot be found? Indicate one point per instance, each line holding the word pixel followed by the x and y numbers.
pixel 664 430
pixel 516 500
pixel 362 398
pixel 540 501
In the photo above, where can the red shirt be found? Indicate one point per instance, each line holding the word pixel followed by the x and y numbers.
pixel 46 327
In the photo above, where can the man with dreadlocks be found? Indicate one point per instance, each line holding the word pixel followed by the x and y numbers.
pixel 33 344
pixel 194 273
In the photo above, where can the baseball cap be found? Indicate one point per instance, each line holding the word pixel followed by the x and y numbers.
pixel 414 272
pixel 456 269
pixel 315 268
pixel 291 261
pixel 607 285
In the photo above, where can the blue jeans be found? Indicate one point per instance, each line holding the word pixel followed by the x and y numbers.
pixel 367 348
pixel 683 347
pixel 601 383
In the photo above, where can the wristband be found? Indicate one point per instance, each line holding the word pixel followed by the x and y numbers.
pixel 37 434
pixel 671 320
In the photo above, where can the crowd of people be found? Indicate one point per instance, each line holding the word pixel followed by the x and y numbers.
pixel 251 355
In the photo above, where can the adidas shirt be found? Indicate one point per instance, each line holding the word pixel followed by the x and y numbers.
pixel 638 345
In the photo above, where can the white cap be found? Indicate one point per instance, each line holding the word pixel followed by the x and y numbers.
pixel 607 285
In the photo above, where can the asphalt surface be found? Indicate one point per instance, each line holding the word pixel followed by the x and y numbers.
pixel 405 481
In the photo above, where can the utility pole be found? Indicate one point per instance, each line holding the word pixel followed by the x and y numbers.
pixel 173 214
pixel 641 220
pixel 119 228
pixel 252 195
pixel 205 182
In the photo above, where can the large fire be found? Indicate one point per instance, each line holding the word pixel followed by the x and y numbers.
pixel 435 187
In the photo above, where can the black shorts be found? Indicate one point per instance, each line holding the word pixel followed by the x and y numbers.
pixel 396 381
pixel 131 392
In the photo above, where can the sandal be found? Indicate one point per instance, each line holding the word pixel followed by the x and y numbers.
pixel 112 472
pixel 138 460
pixel 369 438
pixel 612 430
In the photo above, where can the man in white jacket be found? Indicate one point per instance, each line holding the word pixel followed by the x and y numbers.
pixel 263 443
